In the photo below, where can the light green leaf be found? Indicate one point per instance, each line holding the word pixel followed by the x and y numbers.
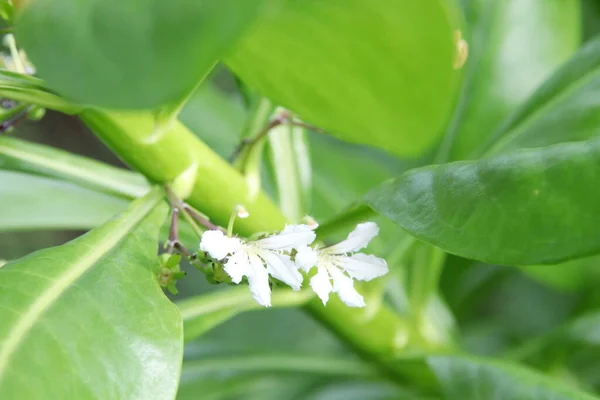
pixel 507 62
pixel 464 378
pixel 291 168
pixel 525 207
pixel 19 155
pixel 379 73
pixel 138 54
pixel 33 202
pixel 88 319
pixel 563 109
pixel 32 90
pixel 203 313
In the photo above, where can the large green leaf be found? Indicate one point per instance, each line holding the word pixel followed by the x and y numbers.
pixel 525 207
pixel 129 54
pixel 88 320
pixel 463 378
pixel 34 202
pixel 507 61
pixel 563 109
pixel 379 73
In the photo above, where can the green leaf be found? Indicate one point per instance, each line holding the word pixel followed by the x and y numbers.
pixel 464 378
pixel 525 207
pixel 89 319
pixel 563 109
pixel 32 90
pixel 33 202
pixel 19 155
pixel 507 62
pixel 379 73
pixel 291 168
pixel 203 313
pixel 135 54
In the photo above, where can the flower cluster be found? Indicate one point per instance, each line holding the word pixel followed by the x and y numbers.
pixel 283 255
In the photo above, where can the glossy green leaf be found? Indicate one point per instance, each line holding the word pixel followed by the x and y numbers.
pixel 463 378
pixel 89 319
pixel 525 207
pixel 379 73
pixel 32 202
pixel 132 54
pixel 514 45
pixel 563 109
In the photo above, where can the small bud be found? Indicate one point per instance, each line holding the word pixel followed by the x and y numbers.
pixel 241 211
pixel 462 50
pixel 310 222
pixel 36 113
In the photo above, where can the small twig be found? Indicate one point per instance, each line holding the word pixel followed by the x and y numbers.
pixel 174 242
pixel 307 126
pixel 278 120
pixel 200 219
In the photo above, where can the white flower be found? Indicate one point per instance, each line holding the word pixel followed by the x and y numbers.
pixel 337 263
pixel 248 258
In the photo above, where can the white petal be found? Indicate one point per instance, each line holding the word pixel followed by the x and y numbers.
pixel 306 258
pixel 357 239
pixel 321 284
pixel 238 266
pixel 281 267
pixel 344 287
pixel 362 266
pixel 218 245
pixel 293 236
pixel 258 280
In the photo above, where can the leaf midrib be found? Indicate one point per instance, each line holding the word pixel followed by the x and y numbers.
pixel 79 267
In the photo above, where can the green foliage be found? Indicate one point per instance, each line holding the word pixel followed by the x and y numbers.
pixel 398 55
pixel 106 53
pixel 475 209
pixel 514 46
pixel 365 84
pixel 82 313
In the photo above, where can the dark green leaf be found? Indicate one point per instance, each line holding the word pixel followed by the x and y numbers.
pixel 463 378
pixel 88 319
pixel 379 73
pixel 526 207
pixel 130 54
pixel 507 61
